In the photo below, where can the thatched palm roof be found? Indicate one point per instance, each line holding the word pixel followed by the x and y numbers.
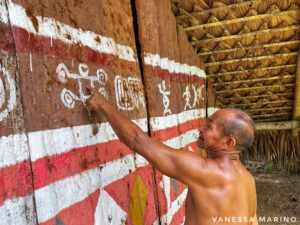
pixel 250 51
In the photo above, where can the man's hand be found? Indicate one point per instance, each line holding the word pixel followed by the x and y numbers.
pixel 95 101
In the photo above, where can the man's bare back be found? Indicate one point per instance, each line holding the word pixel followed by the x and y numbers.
pixel 232 198
pixel 220 190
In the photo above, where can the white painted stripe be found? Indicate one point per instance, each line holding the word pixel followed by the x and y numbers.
pixel 3 14
pixel 9 91
pixel 18 211
pixel 51 142
pixel 13 149
pixel 159 123
pixel 51 28
pixel 172 66
pixel 175 206
pixel 211 110
pixel 183 139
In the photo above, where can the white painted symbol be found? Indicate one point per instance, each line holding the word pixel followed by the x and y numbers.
pixel 8 97
pixel 68 98
pixel 165 93
pixel 197 94
pixel 128 93
pixel 187 98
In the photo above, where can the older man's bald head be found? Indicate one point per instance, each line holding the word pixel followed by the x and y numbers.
pixel 238 124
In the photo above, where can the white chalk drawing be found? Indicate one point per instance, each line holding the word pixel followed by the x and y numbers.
pixel 8 96
pixel 165 93
pixel 187 97
pixel 68 98
pixel 129 95
pixel 198 94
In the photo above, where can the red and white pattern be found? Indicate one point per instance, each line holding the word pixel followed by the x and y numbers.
pixel 67 184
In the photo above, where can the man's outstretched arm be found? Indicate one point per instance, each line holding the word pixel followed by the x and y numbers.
pixel 182 165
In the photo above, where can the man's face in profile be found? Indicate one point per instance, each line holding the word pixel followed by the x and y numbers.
pixel 210 133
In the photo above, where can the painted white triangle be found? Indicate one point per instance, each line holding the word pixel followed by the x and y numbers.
pixel 108 212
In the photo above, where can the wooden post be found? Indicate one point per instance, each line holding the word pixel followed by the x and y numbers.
pixel 296 114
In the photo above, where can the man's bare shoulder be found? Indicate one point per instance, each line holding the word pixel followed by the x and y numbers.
pixel 217 173
pixel 228 172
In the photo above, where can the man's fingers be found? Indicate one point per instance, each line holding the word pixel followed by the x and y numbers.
pixel 88 106
pixel 89 90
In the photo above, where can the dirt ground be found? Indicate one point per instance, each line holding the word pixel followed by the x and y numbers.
pixel 278 195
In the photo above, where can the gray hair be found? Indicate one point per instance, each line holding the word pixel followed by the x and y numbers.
pixel 241 127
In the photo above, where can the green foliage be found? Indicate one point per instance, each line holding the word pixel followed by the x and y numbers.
pixel 270 166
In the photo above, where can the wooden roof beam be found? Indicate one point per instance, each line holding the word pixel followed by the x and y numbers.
pixel 258 96
pixel 250 34
pixel 256 88
pixel 255 80
pixel 250 47
pixel 282 125
pixel 252 70
pixel 242 19
pixel 262 103
pixel 251 59
pixel 269 109
pixel 270 115
pixel 213 10
pixel 272 119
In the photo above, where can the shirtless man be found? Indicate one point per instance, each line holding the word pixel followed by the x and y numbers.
pixel 220 190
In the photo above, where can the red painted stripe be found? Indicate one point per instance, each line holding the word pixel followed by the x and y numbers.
pixel 178 216
pixel 80 213
pixel 50 169
pixel 168 133
pixel 15 181
pixel 6 39
pixel 177 77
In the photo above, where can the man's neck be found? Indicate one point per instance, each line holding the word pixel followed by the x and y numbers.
pixel 224 154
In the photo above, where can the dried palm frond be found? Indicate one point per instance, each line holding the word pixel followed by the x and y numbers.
pixel 281 147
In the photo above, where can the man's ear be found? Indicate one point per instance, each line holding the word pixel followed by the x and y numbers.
pixel 230 142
